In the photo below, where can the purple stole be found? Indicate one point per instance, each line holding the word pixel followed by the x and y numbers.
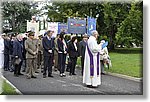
pixel 92 63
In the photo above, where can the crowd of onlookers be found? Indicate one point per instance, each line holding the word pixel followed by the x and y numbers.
pixel 25 53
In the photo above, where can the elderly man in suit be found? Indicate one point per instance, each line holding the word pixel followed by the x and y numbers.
pixel 48 51
pixel 6 52
pixel 31 53
pixel 82 47
pixel 17 54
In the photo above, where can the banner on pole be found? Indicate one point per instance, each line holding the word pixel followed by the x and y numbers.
pixel 62 27
pixel 91 25
pixel 54 27
pixel 33 26
pixel 76 25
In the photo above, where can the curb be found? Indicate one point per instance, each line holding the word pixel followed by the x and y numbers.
pixel 122 76
pixel 12 86
pixel 125 77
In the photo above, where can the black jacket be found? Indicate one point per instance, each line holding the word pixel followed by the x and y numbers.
pixel 17 49
pixel 72 51
pixel 82 47
pixel 48 45
pixel 6 46
pixel 60 46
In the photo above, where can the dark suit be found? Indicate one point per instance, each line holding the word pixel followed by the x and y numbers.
pixel 82 47
pixel 6 54
pixel 48 44
pixel 61 56
pixel 17 51
pixel 11 56
pixel 73 54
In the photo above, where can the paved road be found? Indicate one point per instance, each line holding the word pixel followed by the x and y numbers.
pixel 73 85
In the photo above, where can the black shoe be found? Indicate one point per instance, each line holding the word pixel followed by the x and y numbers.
pixel 41 71
pixel 44 76
pixel 33 77
pixel 55 69
pixel 16 75
pixel 20 74
pixel 23 71
pixel 74 74
pixel 28 77
pixel 70 74
pixel 67 71
pixel 50 76
pixel 90 86
pixel 5 69
pixel 103 74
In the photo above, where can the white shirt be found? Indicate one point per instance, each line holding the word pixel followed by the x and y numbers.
pixel 1 45
pixel 75 46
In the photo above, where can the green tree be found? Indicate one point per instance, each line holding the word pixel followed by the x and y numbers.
pixel 114 14
pixel 17 13
pixel 110 17
pixel 131 29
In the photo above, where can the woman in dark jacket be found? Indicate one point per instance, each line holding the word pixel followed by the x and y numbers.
pixel 73 54
pixel 62 52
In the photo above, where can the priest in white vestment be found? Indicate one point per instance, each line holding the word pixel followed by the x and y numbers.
pixel 92 70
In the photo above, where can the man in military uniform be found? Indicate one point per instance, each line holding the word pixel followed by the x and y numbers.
pixel 31 53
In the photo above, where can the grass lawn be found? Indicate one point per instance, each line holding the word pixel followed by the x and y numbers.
pixel 7 89
pixel 126 61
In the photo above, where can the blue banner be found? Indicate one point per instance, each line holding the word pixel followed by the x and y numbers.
pixel 105 44
pixel 76 25
pixel 62 27
pixel 91 25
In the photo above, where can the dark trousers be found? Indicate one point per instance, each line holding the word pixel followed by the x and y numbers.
pixel 17 68
pixel 24 64
pixel 82 64
pixel 48 61
pixel 6 61
pixel 73 65
pixel 102 66
pixel 39 60
pixel 11 66
pixel 68 65
pixel 61 62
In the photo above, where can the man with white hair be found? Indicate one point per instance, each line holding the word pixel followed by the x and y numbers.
pixel 91 74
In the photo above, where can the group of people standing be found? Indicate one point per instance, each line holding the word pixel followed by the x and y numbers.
pixel 46 51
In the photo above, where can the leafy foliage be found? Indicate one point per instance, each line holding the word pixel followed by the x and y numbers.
pixel 17 13
pixel 131 29
pixel 119 23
